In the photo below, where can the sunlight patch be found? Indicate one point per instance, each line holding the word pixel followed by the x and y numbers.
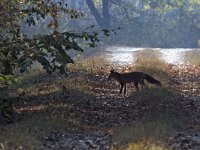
pixel 128 55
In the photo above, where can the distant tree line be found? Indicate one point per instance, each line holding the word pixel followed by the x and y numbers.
pixel 147 23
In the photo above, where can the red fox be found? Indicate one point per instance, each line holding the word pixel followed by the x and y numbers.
pixel 136 77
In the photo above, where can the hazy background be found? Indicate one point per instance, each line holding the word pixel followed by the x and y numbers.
pixel 143 23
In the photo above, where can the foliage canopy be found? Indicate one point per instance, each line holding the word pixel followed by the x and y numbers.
pixel 19 51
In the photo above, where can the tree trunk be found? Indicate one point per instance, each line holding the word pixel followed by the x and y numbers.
pixel 105 12
pixel 73 4
pixel 104 22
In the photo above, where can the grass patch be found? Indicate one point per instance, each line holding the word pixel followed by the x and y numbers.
pixel 163 117
pixel 152 132
pixel 149 61
pixel 28 133
pixel 43 106
pixel 37 82
pixel 161 102
pixel 155 96
pixel 192 57
pixel 88 64
pixel 149 53
pixel 154 126
pixel 16 136
pixel 142 145
pixel 146 145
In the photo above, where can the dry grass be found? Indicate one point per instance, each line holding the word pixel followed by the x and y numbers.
pixel 146 146
pixel 18 136
pixel 152 132
pixel 28 133
pixel 148 133
pixel 164 114
pixel 149 53
pixel 155 96
pixel 163 117
pixel 42 107
pixel 149 61
pixel 154 128
pixel 37 82
pixel 192 57
pixel 88 64
pixel 142 145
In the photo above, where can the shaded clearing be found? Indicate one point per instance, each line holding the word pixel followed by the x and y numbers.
pixel 84 110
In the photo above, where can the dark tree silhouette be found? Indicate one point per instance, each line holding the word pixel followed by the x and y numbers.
pixel 104 20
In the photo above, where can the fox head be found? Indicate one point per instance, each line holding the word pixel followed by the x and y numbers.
pixel 111 74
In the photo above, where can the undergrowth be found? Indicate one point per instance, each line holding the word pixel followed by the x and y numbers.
pixel 156 96
pixel 43 106
pixel 149 61
pixel 192 57
pixel 152 132
pixel 146 145
pixel 53 94
pixel 89 64
pixel 163 117
pixel 26 134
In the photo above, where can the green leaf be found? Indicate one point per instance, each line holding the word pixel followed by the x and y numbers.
pixel 92 45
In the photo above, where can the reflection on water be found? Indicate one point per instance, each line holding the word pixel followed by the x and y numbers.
pixel 128 55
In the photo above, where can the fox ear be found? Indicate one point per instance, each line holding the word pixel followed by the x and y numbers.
pixel 112 70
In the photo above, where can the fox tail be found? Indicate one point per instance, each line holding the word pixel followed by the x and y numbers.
pixel 150 79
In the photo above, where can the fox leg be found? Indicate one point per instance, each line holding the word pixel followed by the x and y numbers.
pixel 142 84
pixel 122 85
pixel 124 89
pixel 136 85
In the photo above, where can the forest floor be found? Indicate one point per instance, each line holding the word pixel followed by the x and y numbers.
pixel 85 112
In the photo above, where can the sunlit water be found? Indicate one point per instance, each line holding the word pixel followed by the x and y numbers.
pixel 128 55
